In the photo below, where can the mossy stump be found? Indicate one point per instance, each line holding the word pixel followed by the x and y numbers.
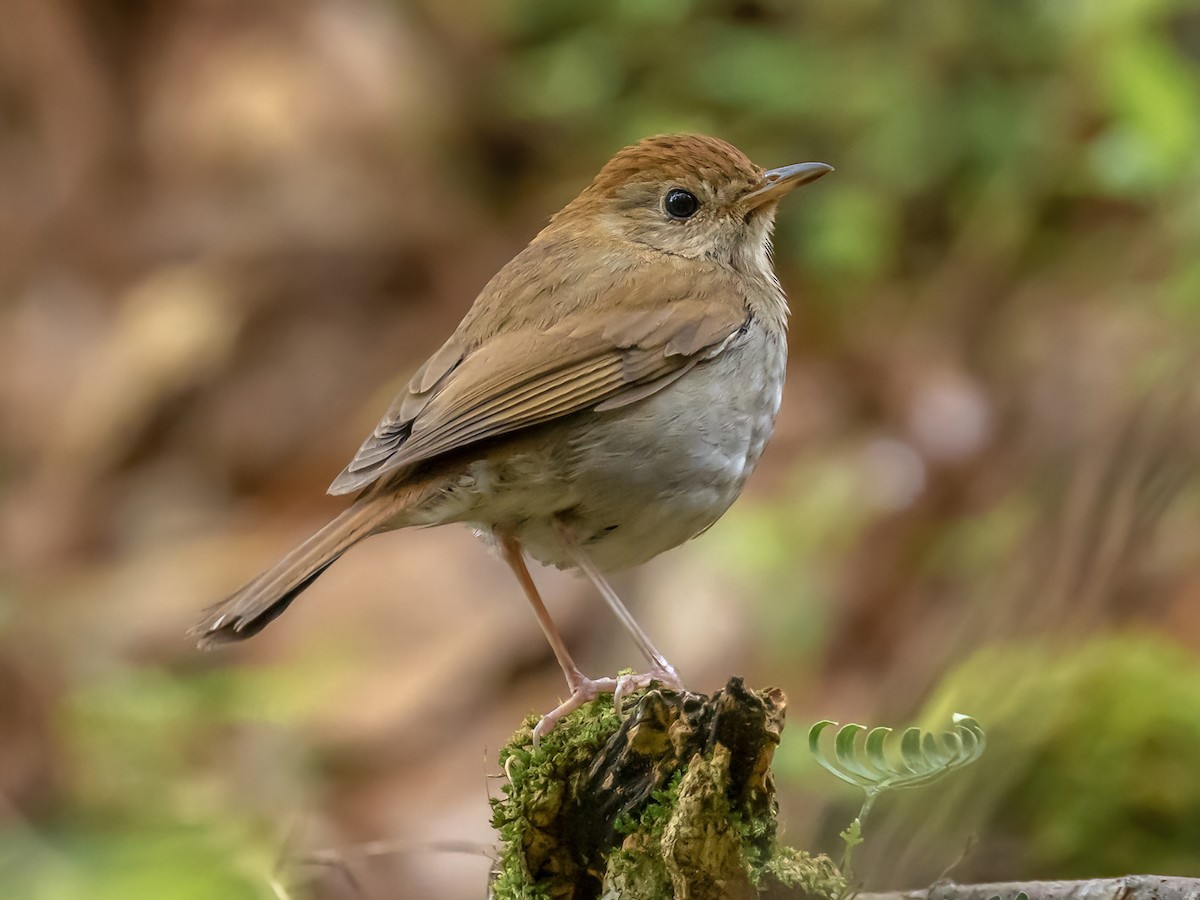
pixel 675 800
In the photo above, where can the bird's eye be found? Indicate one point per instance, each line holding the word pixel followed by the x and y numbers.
pixel 680 204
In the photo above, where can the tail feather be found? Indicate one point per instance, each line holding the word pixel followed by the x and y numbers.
pixel 250 609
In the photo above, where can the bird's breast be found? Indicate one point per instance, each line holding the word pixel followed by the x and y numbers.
pixel 640 479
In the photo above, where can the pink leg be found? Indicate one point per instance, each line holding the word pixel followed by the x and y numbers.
pixel 583 689
pixel 660 670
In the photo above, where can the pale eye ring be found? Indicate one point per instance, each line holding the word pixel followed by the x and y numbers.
pixel 680 204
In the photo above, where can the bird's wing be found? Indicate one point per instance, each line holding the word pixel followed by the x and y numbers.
pixel 528 376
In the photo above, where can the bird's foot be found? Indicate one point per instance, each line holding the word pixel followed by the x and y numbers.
pixel 584 690
pixel 663 675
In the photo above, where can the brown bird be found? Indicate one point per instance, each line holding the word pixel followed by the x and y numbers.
pixel 604 400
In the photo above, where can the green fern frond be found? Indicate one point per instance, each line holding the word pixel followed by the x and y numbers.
pixel 875 766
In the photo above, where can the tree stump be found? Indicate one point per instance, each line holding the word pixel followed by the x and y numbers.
pixel 675 800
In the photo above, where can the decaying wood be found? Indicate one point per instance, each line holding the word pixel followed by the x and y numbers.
pixel 677 801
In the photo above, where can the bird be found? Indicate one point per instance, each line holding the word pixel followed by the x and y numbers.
pixel 603 400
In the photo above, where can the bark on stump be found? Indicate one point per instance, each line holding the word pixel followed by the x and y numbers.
pixel 675 800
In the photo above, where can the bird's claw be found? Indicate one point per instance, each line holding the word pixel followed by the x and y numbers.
pixel 585 690
pixel 664 675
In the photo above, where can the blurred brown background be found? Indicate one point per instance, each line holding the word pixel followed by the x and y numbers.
pixel 230 230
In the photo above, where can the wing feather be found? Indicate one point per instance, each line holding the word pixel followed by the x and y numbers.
pixel 536 403
pixel 527 377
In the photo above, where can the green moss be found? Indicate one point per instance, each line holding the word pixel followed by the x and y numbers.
pixel 689 832
pixel 816 876
pixel 538 778
pixel 655 814
pixel 687 835
pixel 638 871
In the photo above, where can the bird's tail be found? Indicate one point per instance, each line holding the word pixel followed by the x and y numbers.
pixel 250 609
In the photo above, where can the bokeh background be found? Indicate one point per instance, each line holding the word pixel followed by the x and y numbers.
pixel 230 230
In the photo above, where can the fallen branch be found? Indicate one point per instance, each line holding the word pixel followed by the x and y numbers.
pixel 1131 887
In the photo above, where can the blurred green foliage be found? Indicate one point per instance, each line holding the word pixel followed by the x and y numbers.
pixel 153 812
pixel 1092 757
pixel 920 104
pixel 781 550
pixel 1090 770
pixel 199 862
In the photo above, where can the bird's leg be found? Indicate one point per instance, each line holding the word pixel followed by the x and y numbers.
pixel 583 689
pixel 660 670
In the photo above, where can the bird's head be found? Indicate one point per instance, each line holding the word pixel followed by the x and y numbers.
pixel 690 196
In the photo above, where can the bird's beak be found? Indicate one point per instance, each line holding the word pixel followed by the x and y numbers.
pixel 777 182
